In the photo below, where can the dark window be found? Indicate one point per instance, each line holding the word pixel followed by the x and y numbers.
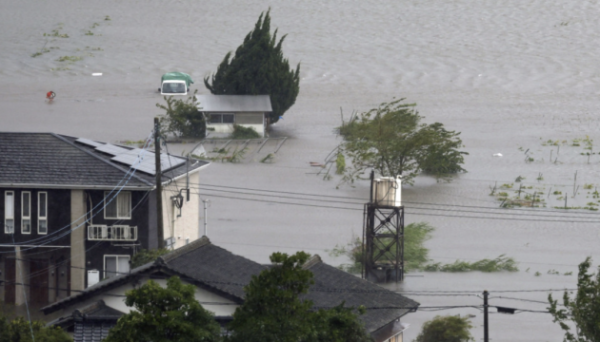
pixel 222 118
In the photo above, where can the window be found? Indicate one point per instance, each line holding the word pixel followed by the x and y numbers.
pixel 42 213
pixel 26 212
pixel 117 206
pixel 221 118
pixel 115 265
pixel 9 212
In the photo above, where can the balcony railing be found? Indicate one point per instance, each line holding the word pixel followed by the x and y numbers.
pixel 101 232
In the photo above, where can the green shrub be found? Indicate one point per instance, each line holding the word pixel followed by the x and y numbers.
pixel 241 132
pixel 182 118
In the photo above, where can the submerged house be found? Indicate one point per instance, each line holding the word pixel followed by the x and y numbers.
pixel 73 211
pixel 220 277
pixel 222 112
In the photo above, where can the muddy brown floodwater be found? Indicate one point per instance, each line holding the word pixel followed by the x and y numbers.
pixel 510 75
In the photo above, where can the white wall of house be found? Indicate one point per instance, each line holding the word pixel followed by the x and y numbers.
pixel 116 300
pixel 250 120
pixel 184 228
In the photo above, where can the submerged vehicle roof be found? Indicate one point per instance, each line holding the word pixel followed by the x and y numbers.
pixel 177 76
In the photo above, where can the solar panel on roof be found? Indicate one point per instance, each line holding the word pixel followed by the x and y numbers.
pixel 88 142
pixel 112 149
pixel 142 160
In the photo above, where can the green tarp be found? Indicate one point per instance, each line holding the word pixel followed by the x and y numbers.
pixel 179 76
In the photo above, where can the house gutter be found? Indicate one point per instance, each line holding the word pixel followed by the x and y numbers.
pixel 90 187
pixel 171 180
pixel 45 246
pixel 72 186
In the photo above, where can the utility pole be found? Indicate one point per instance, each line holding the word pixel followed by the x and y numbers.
pixel 206 201
pixel 159 210
pixel 486 337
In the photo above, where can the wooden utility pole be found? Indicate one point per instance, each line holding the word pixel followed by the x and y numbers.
pixel 486 337
pixel 159 210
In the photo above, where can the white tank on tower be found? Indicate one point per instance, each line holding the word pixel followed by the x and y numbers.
pixel 387 191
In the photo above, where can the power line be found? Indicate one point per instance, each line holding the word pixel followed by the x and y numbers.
pixel 363 200
pixel 407 209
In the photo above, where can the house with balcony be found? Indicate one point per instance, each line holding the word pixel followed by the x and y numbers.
pixel 73 211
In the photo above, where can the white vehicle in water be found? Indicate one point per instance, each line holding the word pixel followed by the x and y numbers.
pixel 175 83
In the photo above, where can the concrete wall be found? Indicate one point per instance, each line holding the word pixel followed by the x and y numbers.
pixel 78 234
pixel 250 120
pixel 185 227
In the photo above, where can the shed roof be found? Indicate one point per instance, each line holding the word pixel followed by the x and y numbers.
pixel 234 103
pixel 59 161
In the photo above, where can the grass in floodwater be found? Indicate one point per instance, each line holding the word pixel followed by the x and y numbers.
pixel 416 255
pixel 501 263
pixel 69 58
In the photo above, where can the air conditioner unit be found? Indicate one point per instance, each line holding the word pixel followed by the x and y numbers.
pixel 93 277
pixel 387 191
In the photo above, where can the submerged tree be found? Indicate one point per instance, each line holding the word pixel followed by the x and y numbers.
pixel 258 68
pixel 392 140
pixel 583 309
pixel 165 314
pixel 446 329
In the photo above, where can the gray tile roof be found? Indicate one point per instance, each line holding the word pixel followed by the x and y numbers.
pixel 90 323
pixel 333 286
pixel 52 160
pixel 234 103
pixel 215 268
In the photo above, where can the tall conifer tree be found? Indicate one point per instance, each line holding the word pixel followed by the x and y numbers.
pixel 258 68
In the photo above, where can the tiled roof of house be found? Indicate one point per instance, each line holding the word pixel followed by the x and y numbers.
pixel 215 268
pixel 52 160
pixel 333 286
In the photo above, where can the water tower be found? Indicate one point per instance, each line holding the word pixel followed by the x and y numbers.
pixel 383 231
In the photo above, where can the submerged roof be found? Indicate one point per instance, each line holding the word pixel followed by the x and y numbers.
pixel 225 273
pixel 60 161
pixel 234 103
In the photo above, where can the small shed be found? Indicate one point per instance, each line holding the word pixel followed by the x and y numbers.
pixel 222 112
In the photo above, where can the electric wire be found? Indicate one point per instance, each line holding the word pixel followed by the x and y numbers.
pixel 405 208
pixel 364 200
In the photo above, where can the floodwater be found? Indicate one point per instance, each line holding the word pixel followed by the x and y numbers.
pixel 509 74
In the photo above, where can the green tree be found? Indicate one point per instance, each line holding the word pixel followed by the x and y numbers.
pixel 20 330
pixel 145 256
pixel 273 311
pixel 165 314
pixel 182 118
pixel 392 140
pixel 446 329
pixel 583 310
pixel 340 324
pixel 258 68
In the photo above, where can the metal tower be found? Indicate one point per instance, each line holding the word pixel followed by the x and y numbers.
pixel 383 232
